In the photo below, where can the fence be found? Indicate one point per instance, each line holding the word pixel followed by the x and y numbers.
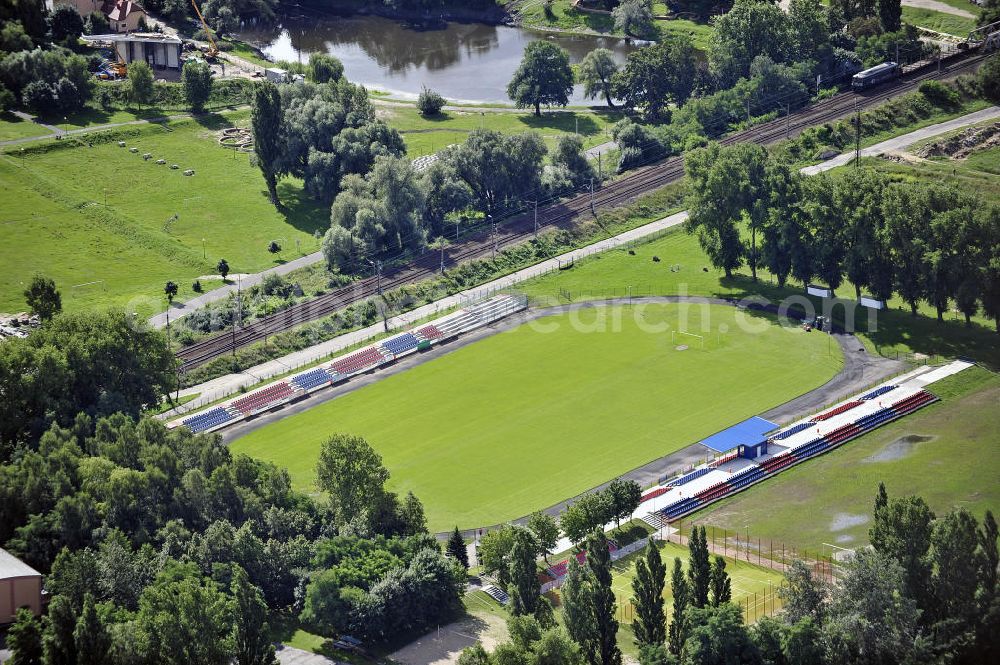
pixel 620 553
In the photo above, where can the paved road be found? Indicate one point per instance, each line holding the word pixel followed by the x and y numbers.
pixel 292 656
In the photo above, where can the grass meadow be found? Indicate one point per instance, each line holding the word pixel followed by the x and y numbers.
pixel 525 419
pixel 86 211
pixel 947 453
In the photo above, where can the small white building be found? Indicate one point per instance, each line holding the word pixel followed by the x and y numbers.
pixel 122 15
pixel 20 586
pixel 159 51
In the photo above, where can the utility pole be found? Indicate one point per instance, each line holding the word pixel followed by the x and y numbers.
pixel 600 171
pixel 788 119
pixel 377 267
pixel 857 135
pixel 496 237
pixel 592 210
pixel 535 203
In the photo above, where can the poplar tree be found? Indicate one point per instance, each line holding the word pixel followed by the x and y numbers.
pixel 700 570
pixel 265 120
pixel 91 636
pixel 721 585
pixel 682 596
pixel 578 607
pixel 650 577
pixel 523 588
pixel 599 560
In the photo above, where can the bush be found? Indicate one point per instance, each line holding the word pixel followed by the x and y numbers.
pixel 989 79
pixel 939 94
pixel 324 68
pixel 430 102
pixel 197 80
pixel 38 97
pixel 196 287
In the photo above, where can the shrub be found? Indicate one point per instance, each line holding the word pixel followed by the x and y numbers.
pixel 196 287
pixel 939 94
pixel 38 97
pixel 324 68
pixel 989 78
pixel 430 102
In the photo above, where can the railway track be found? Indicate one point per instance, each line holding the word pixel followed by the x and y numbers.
pixel 561 214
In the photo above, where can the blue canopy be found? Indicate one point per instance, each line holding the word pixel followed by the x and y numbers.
pixel 748 432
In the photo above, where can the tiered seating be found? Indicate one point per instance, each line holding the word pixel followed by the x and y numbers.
pixel 913 402
pixel 262 398
pixel 777 463
pixel 656 520
pixel 359 361
pixel 558 570
pixel 792 430
pixel 878 392
pixel 458 324
pixel 208 420
pixel 680 508
pixel 841 434
pixel 312 379
pixel 873 420
pixel 811 448
pixel 746 477
pixel 715 464
pixel 652 494
pixel 714 492
pixel 430 332
pixel 837 411
pixel 401 344
pixel 697 473
pixel 497 594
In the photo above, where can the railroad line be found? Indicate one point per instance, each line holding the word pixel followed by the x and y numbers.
pixel 561 214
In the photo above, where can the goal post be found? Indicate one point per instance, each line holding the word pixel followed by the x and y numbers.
pixel 676 335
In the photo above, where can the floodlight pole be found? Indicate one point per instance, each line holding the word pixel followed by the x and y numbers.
pixel 496 238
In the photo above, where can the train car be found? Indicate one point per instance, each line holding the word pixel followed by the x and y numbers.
pixel 875 75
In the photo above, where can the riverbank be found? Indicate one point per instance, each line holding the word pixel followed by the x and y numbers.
pixel 493 14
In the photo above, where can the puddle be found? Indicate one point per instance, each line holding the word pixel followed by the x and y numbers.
pixel 898 449
pixel 844 539
pixel 842 521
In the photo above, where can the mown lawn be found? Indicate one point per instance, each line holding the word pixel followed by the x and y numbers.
pixel 426 135
pixel 13 127
pixel 939 21
pixel 525 419
pixel 86 210
pixel 947 453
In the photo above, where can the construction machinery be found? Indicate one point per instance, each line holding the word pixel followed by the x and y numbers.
pixel 213 49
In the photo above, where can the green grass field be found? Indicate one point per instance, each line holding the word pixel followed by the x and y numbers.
pixel 939 21
pixel 525 419
pixel 424 136
pixel 54 219
pixel 946 453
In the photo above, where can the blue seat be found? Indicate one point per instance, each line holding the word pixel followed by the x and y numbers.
pixel 207 420
pixel 794 430
pixel 878 392
pixel 312 379
pixel 697 473
pixel 401 344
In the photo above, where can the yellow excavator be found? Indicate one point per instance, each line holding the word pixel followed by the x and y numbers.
pixel 213 49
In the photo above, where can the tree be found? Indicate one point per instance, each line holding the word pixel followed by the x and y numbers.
pixel 624 497
pixel 750 29
pixel 24 639
pixel 902 532
pixel 606 634
pixel 578 608
pixel 523 588
pixel 681 592
pixel 904 211
pixel 223 268
pixel 712 213
pixel 890 14
pixel 250 629
pixel 989 72
pixel 497 167
pixel 66 25
pixel 351 473
pixel 42 297
pixel 58 643
pixel 91 636
pixel 718 635
pixel 596 71
pixel 700 568
pixel 429 102
pixel 265 121
pixel 650 626
pixel 456 548
pixel 170 289
pixel 634 17
pixel 990 557
pixel 803 644
pixel 196 77
pixel 544 77
pixel 140 82
pixel 655 76
pixel 721 586
pixel 186 619
pixel 324 68
pixel 955 561
pixel 546 532
pixel 590 512
pixel 494 552
pixel 802 595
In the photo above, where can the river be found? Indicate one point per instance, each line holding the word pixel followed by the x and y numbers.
pixel 470 62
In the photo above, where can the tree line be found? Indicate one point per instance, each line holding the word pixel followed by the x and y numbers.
pixel 925 592
pixel 925 243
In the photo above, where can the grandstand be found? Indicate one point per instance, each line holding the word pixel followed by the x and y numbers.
pixel 343 368
pixel 734 472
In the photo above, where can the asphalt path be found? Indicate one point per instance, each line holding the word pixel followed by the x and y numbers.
pixel 860 371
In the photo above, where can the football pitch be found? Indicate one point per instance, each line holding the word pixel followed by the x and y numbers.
pixel 527 418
